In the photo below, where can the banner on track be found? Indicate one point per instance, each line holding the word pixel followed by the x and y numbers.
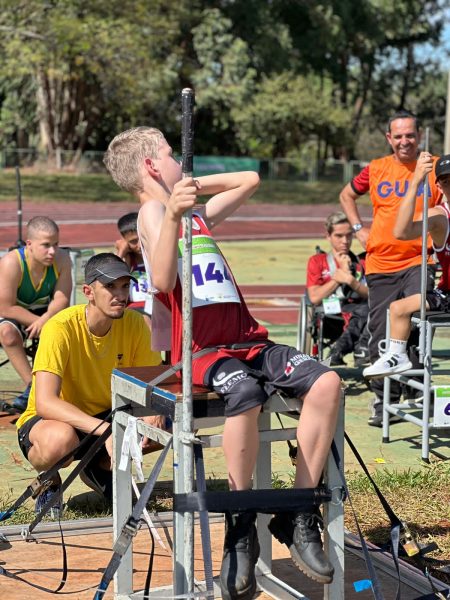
pixel 207 165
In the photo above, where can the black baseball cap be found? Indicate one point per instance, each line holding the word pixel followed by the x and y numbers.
pixel 442 166
pixel 108 273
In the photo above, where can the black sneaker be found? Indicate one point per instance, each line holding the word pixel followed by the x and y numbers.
pixel 20 402
pixel 301 534
pixel 98 480
pixel 376 417
pixel 361 357
pixel 336 359
pixel 240 555
pixel 55 512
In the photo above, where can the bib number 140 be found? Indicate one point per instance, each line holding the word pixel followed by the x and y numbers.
pixel 209 274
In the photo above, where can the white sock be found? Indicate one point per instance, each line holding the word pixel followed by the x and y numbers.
pixel 397 346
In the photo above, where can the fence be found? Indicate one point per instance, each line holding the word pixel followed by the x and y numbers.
pixel 277 168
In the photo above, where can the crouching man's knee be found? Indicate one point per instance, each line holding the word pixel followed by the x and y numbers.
pixel 49 442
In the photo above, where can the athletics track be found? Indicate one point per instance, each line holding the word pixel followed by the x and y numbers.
pixel 88 225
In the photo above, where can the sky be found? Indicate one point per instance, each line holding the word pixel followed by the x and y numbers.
pixel 445 61
pixel 443 52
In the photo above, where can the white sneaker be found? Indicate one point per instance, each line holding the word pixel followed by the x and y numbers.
pixel 388 364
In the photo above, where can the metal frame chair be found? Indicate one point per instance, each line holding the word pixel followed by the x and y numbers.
pixel 408 410
pixel 313 336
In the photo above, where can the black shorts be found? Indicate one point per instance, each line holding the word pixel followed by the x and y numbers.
pixel 24 436
pixel 246 384
pixel 22 329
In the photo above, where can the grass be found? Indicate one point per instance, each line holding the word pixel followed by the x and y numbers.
pixel 89 506
pixel 61 187
pixel 419 497
pixel 66 187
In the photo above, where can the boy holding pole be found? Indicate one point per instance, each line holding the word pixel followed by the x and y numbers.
pixel 247 367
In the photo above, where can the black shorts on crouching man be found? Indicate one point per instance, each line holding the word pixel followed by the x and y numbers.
pixel 246 384
pixel 24 435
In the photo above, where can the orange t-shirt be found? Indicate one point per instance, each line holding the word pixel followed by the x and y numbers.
pixel 389 180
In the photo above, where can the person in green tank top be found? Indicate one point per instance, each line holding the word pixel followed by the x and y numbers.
pixel 36 284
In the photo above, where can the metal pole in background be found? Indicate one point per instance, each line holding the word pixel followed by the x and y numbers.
pixel 423 273
pixel 187 152
pixel 20 242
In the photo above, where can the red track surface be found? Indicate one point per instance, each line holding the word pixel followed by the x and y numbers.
pixel 276 304
pixel 94 224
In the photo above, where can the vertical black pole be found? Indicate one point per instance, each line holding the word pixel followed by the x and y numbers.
pixel 20 242
pixel 187 152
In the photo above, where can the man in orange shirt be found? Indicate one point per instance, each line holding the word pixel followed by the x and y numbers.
pixel 392 266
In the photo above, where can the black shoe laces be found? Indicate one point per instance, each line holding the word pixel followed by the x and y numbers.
pixel 308 526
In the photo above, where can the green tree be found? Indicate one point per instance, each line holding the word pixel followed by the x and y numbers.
pixel 282 117
pixel 272 77
pixel 90 62
pixel 352 45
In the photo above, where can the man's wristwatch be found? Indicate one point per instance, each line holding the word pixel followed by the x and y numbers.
pixel 356 227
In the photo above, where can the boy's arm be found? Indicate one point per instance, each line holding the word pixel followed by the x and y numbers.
pixel 406 228
pixel 317 290
pixel 229 191
pixel 122 250
pixel 10 275
pixel 61 294
pixel 159 226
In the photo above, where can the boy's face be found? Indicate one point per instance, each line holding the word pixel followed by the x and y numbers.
pixel 341 238
pixel 132 239
pixel 443 184
pixel 43 246
pixel 169 168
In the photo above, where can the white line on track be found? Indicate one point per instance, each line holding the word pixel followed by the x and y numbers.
pixel 220 238
pixel 93 220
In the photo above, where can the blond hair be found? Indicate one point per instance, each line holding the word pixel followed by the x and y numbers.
pixel 126 154
pixel 335 218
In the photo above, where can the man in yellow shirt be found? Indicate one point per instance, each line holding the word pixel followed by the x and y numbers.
pixel 71 387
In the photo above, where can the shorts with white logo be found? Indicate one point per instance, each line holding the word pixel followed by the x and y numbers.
pixel 246 384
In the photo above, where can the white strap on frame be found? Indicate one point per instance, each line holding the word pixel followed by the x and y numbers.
pixel 131 446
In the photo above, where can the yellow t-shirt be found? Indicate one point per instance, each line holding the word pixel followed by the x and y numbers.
pixel 85 362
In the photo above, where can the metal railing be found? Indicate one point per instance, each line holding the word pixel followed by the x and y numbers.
pixel 91 161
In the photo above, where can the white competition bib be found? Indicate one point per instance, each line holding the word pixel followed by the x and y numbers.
pixel 331 305
pixel 211 281
pixel 139 292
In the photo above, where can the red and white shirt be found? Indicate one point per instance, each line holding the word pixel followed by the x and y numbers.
pixel 220 314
